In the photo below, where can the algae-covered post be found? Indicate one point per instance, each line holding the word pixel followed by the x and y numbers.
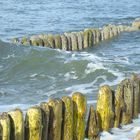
pixel 79 108
pixel 119 105
pixel 45 120
pixel 4 127
pixel 67 127
pixel 55 122
pixel 105 108
pixel 128 96
pixel 33 124
pixel 92 128
pixel 17 124
pixel 136 89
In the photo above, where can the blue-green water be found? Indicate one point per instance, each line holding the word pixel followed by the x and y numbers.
pixel 29 75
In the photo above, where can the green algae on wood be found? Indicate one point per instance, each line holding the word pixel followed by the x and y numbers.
pixel 119 105
pixel 136 89
pixel 105 33
pixel 64 43
pixel 74 41
pixel 128 96
pixel 68 36
pixel 92 128
pixel 80 40
pixel 4 127
pixel 33 124
pixel 67 127
pixel 45 40
pixel 25 41
pixel 79 108
pixel 58 42
pixel 36 41
pixel 137 137
pixel 55 121
pixel 17 124
pixel 88 38
pixel 15 40
pixel 45 120
pixel 51 41
pixel 105 108
pixel 136 24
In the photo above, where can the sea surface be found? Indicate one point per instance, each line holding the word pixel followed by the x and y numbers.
pixel 30 75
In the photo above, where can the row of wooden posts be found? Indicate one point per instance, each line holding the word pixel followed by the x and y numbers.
pixel 77 40
pixel 65 119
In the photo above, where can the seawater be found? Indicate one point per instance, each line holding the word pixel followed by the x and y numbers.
pixel 30 75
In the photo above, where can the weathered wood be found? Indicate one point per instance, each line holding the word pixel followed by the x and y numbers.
pixel 64 43
pixel 36 41
pixel 136 89
pixel 45 120
pixel 55 122
pixel 57 42
pixel 137 137
pixel 17 124
pixel 69 43
pixel 119 105
pixel 74 41
pixel 51 41
pixel 79 108
pixel 128 96
pixel 4 127
pixel 92 128
pixel 67 127
pixel 33 124
pixel 80 40
pixel 105 108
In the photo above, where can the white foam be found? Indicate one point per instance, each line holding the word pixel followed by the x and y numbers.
pixel 70 75
pixel 9 56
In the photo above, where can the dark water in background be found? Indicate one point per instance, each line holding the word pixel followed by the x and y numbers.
pixel 29 75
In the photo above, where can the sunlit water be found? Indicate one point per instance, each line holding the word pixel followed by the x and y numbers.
pixel 30 75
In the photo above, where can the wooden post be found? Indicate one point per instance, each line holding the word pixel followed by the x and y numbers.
pixel 105 108
pixel 119 105
pixel 4 127
pixel 105 33
pixel 44 40
pixel 128 96
pixel 58 42
pixel 80 40
pixel 69 43
pixel 33 124
pixel 74 42
pixel 64 42
pixel 55 122
pixel 136 89
pixel 45 120
pixel 80 105
pixel 36 41
pixel 51 41
pixel 67 127
pixel 92 128
pixel 17 124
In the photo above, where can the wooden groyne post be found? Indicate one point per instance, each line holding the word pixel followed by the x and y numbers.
pixel 75 41
pixel 65 119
